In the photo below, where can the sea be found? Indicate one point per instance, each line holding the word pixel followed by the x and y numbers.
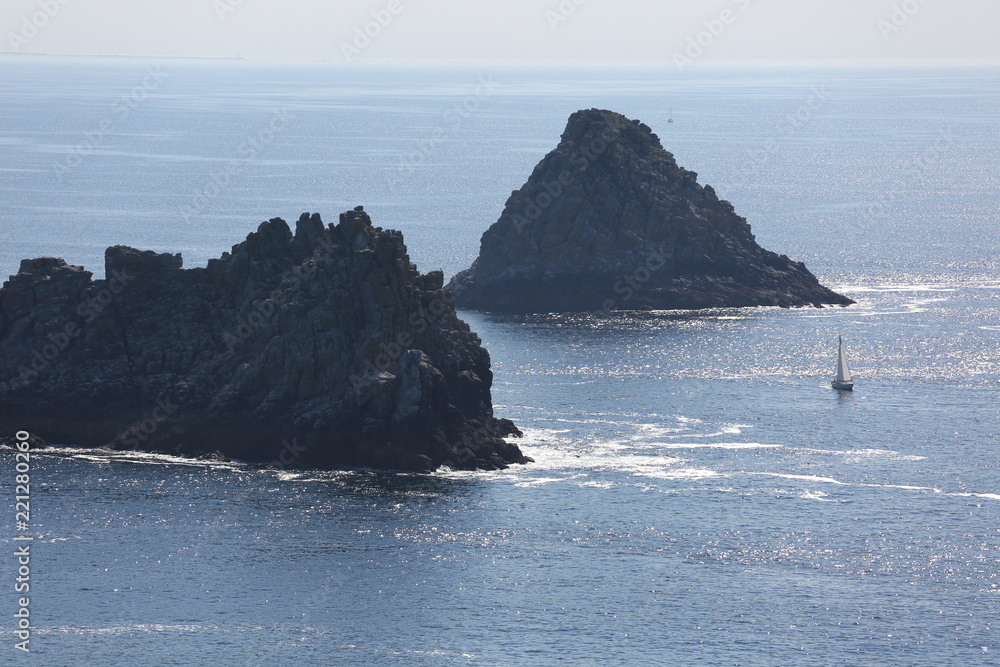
pixel 699 496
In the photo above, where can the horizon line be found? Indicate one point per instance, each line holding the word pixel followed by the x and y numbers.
pixel 557 63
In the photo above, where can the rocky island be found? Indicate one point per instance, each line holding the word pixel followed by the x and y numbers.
pixel 609 221
pixel 323 348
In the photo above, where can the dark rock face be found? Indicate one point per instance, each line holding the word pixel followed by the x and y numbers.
pixel 322 348
pixel 608 221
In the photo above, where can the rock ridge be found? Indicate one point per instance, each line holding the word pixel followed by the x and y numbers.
pixel 609 221
pixel 324 348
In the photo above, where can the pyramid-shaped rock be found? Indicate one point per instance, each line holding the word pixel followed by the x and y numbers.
pixel 608 221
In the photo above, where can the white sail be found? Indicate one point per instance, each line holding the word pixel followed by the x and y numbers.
pixel 843 372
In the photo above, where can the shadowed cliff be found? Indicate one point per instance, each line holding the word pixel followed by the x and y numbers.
pixel 322 348
pixel 608 221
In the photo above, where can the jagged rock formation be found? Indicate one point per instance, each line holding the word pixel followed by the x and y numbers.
pixel 326 348
pixel 608 221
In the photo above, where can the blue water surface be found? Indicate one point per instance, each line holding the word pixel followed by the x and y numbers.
pixel 700 495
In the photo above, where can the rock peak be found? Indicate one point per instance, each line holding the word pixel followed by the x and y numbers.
pixel 596 123
pixel 609 221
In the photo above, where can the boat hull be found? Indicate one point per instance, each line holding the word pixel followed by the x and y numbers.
pixel 842 386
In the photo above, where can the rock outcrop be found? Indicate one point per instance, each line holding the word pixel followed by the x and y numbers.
pixel 608 221
pixel 323 348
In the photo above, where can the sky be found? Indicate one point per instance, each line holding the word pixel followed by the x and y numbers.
pixel 547 31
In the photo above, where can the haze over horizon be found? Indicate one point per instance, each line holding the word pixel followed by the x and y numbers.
pixel 403 31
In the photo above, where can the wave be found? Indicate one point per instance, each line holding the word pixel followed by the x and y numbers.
pixel 734 429
pixel 149 628
pixel 989 496
pixel 913 287
pixel 863 453
pixel 808 478
pixel 903 487
pixel 717 445
pixel 565 460
pixel 818 495
pixel 103 455
pixel 562 457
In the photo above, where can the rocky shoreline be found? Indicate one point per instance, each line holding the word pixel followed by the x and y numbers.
pixel 323 348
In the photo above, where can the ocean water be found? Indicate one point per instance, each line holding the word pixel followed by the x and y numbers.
pixel 700 495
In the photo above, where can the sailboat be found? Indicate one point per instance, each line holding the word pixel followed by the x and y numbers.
pixel 670 115
pixel 844 381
